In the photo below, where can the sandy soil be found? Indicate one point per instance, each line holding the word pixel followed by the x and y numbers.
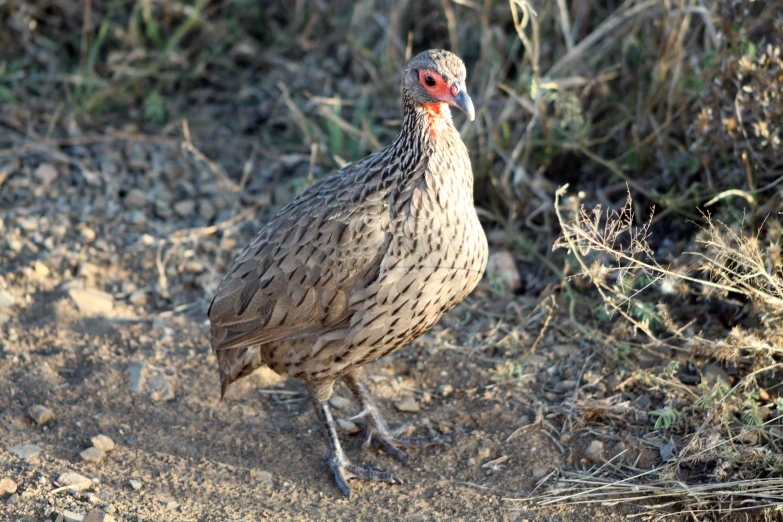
pixel 106 277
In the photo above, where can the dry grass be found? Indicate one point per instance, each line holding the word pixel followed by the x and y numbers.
pixel 678 101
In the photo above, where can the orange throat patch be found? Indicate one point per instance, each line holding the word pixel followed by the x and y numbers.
pixel 435 116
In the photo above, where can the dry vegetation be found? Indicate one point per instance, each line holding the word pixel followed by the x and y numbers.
pixel 671 105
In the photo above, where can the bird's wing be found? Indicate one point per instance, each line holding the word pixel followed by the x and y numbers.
pixel 298 274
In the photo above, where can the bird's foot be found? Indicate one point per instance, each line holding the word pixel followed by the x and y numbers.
pixel 343 470
pixel 391 440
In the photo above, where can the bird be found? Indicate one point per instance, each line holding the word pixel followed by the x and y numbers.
pixel 360 264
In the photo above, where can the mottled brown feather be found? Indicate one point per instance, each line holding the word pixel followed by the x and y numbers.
pixel 361 262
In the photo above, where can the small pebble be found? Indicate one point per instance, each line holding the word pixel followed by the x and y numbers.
pixel 135 484
pixel 70 516
pixel 135 376
pixel 169 504
pixel 13 500
pixel 7 486
pixel 161 388
pixel 45 173
pixel 266 478
pixel 539 473
pixel 40 414
pixel 138 298
pixel 341 403
pixel 347 426
pixel 93 454
pixel 407 404
pixel 502 268
pixel 445 389
pixel 41 270
pixel 91 301
pixel 102 442
pixel 594 452
pixel 6 299
pixel 97 516
pixel 74 481
pixel 26 451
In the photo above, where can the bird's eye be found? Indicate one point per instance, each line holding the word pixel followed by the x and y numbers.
pixel 429 80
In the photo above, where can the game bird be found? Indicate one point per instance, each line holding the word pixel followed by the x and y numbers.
pixel 360 264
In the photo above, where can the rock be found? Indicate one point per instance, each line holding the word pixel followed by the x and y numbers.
pixel 206 210
pixel 539 473
pixel 41 270
pixel 565 386
pixel 185 208
pixel 169 504
pixel 91 301
pixel 193 266
pixel 40 414
pixel 88 234
pixel 135 484
pixel 28 224
pixel 88 270
pixel 138 297
pixel 6 299
pixel 73 480
pixel 502 269
pixel 161 388
pixel 407 404
pixel 135 376
pixel 136 198
pixel 266 478
pixel 536 360
pixel 341 403
pixel 102 442
pixel 643 401
pixel 26 451
pixel 565 350
pixel 97 516
pixel 45 173
pixel 13 500
pixel 712 373
pixel 594 452
pixel 445 389
pixel 7 485
pixel 347 426
pixel 666 451
pixel 618 450
pixel 499 238
pixel 93 454
pixel 70 516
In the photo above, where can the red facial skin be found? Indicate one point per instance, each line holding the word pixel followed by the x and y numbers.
pixel 440 91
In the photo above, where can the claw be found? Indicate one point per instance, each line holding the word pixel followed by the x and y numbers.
pixel 388 438
pixel 342 468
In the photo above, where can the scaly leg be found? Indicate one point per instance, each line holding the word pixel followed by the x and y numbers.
pixel 376 430
pixel 341 467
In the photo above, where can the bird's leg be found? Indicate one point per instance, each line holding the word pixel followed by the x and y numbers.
pixel 378 431
pixel 341 467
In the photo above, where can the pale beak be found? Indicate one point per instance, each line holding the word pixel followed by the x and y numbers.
pixel 463 102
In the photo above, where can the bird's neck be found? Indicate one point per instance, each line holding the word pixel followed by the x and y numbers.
pixel 427 125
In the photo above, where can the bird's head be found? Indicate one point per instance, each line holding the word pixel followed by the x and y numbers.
pixel 436 76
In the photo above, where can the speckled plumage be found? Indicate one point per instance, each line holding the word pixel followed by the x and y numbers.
pixel 363 261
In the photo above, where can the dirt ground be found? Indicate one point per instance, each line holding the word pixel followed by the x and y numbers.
pixel 106 279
